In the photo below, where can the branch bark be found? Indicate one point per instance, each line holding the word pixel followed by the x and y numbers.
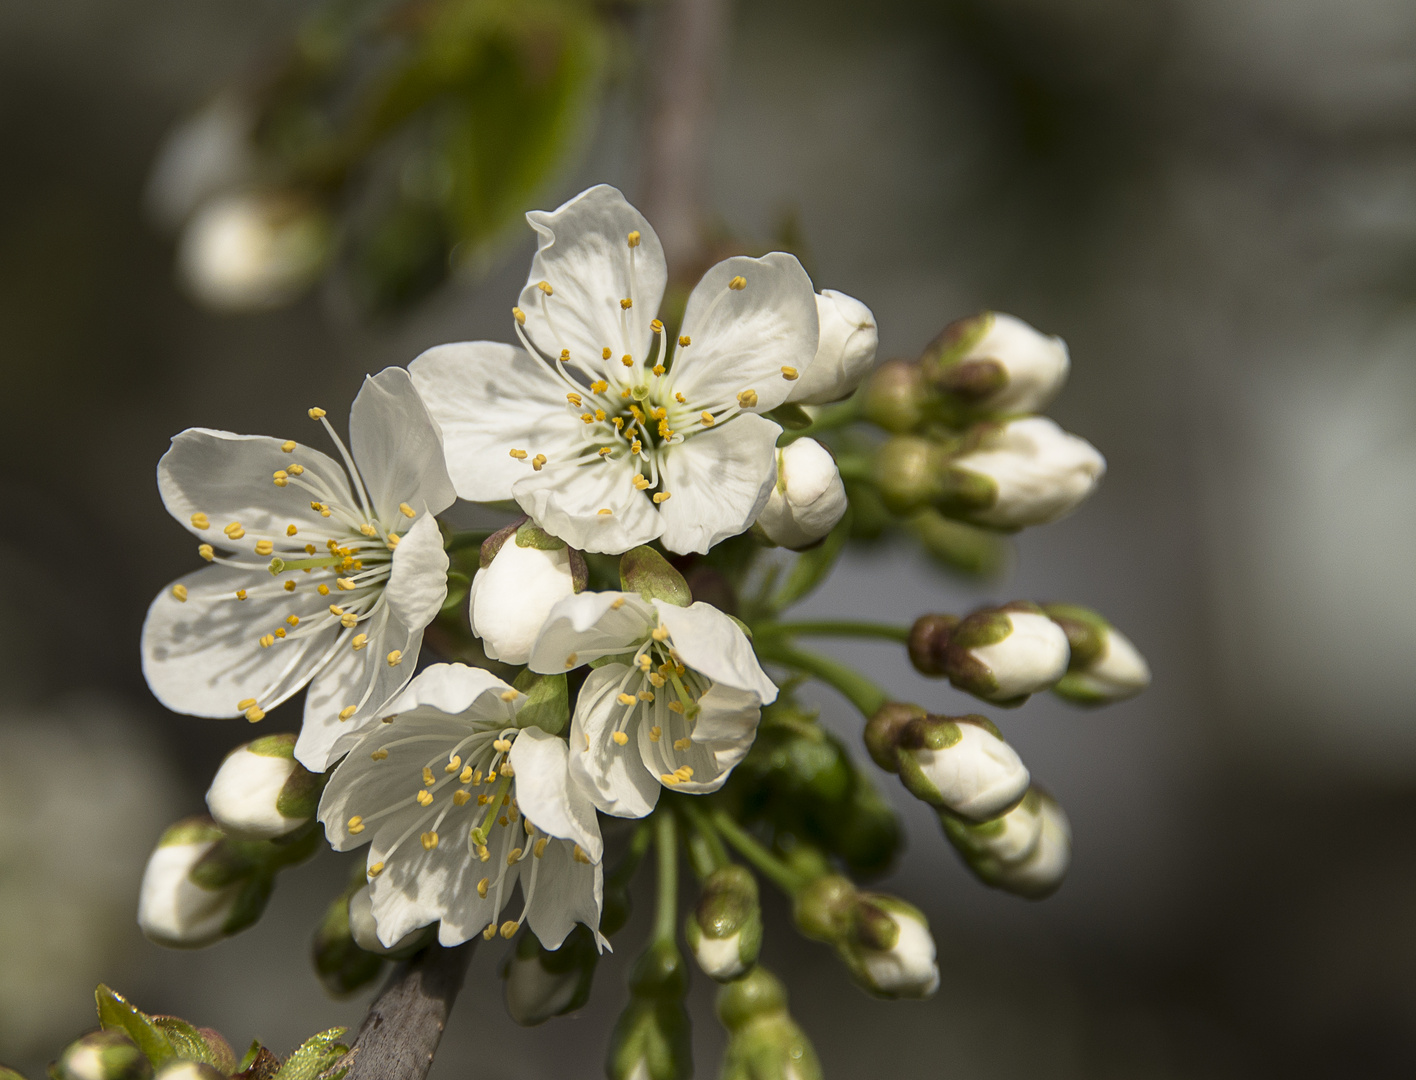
pixel 401 1033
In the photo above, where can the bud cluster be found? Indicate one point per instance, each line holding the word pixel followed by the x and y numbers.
pixel 651 1037
pixel 764 1042
pixel 725 929
pixel 883 941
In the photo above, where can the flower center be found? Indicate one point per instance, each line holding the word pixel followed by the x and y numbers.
pixel 662 693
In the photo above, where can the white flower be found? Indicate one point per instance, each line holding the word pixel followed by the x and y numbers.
pixel 845 353
pixel 514 590
pixel 252 251
pixel 311 581
pixel 907 969
pixel 1119 672
pixel 808 498
pixel 458 805
pixel 606 437
pixel 678 707
pixel 173 910
pixel 1006 366
pixel 961 764
pixel 261 791
pixel 1027 472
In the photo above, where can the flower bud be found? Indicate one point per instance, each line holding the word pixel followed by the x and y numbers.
pixel 844 353
pixel 907 471
pixel 343 967
pixel 884 941
pixel 363 928
pixel 996 363
pixel 651 1038
pixel 1025 852
pixel 261 791
pixel 174 910
pixel 1105 666
pixel 189 1070
pixel 102 1055
pixel 1020 473
pixel 896 396
pixel 524 572
pixel 999 654
pixel 959 763
pixel 541 984
pixel 253 251
pixel 808 499
pixel 725 929
pixel 764 1042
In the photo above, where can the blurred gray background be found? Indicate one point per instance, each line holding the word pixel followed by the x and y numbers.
pixel 1213 201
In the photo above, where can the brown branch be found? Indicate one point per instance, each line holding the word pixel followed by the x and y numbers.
pixel 401 1033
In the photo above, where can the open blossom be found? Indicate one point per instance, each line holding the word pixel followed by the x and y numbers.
pixel 458 804
pixel 680 712
pixel 316 576
pixel 607 433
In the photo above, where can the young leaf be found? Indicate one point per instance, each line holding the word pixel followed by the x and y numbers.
pixel 314 1056
pixel 187 1042
pixel 115 1013
pixel 547 701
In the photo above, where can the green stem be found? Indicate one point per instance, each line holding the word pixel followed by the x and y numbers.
pixel 830 418
pixel 705 846
pixel 835 628
pixel 666 916
pixel 860 691
pixel 754 852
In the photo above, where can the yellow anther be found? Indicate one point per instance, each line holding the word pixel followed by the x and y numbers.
pixel 512 858
pixel 606 353
pixel 280 631
pixel 579 855
pixel 392 541
pixel 676 706
pixel 461 798
pixel 669 779
pixel 264 547
pixel 240 594
pixel 620 738
pixel 465 776
pixel 349 620
pixel 322 589
pixel 519 315
pixel 656 680
pixel 790 373
pixel 429 840
pixel 684 772
pixel 639 481
pixel 245 703
pixel 482 800
pixel 588 418
pixel 606 451
pixel 316 413
pixel 206 551
pixel 538 462
pixel 407 511
pixel 291 530
pixel 564 356
pixel 599 386
pixel 502 745
pixel 685 341
pixel 660 413
pixel 200 521
pixel 570 661
pixel 682 744
pixel 635 411
pixel 267 640
pixel 510 695
pixel 482 853
pixel 490 932
pixel 281 477
pixel 656 733
pixel 545 287
pixel 625 699
pixel 376 869
pixel 633 238
pixel 663 496
pixel 636 446
pixel 482 887
pixel 360 640
pixel 453 765
pixel 368 530
pixel 288 446
pixel 356 824
pixel 335 609
pixel 509 929
pixel 617 603
pixel 324 511
pixel 646 695
pixel 604 511
pixel 292 620
pixel 234 530
pixel 180 592
pixel 738 283
pixel 659 369
pixel 575 399
pixel 627 360
pixel 425 798
pixel 626 304
pixel 661 632
pixel 310 549
pixel 520 455
pixel 644 662
pixel 347 584
pixel 657 326
pixel 316 506
pixel 747 399
pixel 348 711
pixel 255 714
pixel 379 755
pixel 540 848
pixel 428 779
pixel 600 415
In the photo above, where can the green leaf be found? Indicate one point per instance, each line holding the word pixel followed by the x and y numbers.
pixel 315 1055
pixel 548 701
pixel 187 1042
pixel 116 1013
pixel 812 567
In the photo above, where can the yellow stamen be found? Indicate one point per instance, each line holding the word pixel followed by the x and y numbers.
pixel 659 369
pixel 207 552
pixel 639 481
pixel 461 798
pixel 676 706
pixel 617 603
pixel 620 738
pixel 376 869
pixel 682 744
pixel 359 641
pixel 234 530
pixel 322 589
pixel 509 929
pixel 738 283
pixel 482 887
pixel 626 699
pixel 627 360
pixel 425 798
pixel 646 695
pixel 669 779
pixel 368 530
pixel 571 660
pixel 790 373
pixel 267 640
pixel 292 620
pixel 465 776
pixel 545 287
pixel 747 399
pixel 379 755
pixel 540 848
pixel 575 399
pixel 407 511
pixel 240 594
pixel 538 462
pixel 201 521
pixel 606 353
pixel 706 419
pixel 347 584
pixel 520 455
pixel 288 446
pixel 348 711
pixel 599 386
pixel 255 714
pixel 429 840
pixel 579 855
pixel 604 511
pixel 280 631
pixel 264 547
pixel 655 733
pixel 395 658
pixel 428 778
pixel 633 239
pixel 291 530
pixel 356 824
pixel 281 477
pixel 626 304
pixel 663 496
pixel 180 592
pixel 316 413
pixel 519 315
pixel 685 341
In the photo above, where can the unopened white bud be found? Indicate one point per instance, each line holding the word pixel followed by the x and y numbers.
pixel 1023 472
pixel 172 909
pixel 189 1070
pixel 808 499
pixel 844 353
pixel 907 969
pixel 960 764
pixel 513 594
pixel 252 251
pixel 533 994
pixel 1119 672
pixel 1032 656
pixel 261 791
pixel 1026 852
pixel 364 930
pixel 996 363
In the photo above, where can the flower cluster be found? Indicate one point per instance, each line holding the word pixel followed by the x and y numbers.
pixel 612 661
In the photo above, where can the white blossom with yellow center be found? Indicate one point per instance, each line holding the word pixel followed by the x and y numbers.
pixel 608 433
pixel 317 576
pixel 677 707
pixel 459 804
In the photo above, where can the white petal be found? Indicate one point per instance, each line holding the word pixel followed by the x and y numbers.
pixel 204 656
pixel 512 598
pixel 417 584
pixel 710 642
pixel 584 254
pixel 719 481
pixel 731 725
pixel 457 689
pixel 590 625
pixel 742 339
pixel 616 777
pixel 490 399
pixel 546 794
pixel 230 478
pixel 565 498
pixel 398 448
pixel 567 892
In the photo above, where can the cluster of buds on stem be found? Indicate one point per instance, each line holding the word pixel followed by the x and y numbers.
pixel 651 1037
pixel 724 930
pixel 764 1042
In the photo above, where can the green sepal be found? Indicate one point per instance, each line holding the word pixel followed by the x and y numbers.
pixel 547 701
pixel 315 1056
pixel 116 1013
pixel 625 658
pixel 493 544
pixel 531 535
pixel 644 571
pixel 790 416
pixel 198 1044
pixel 299 796
pixel 276 746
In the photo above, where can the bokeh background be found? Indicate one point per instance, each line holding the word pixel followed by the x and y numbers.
pixel 1213 201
